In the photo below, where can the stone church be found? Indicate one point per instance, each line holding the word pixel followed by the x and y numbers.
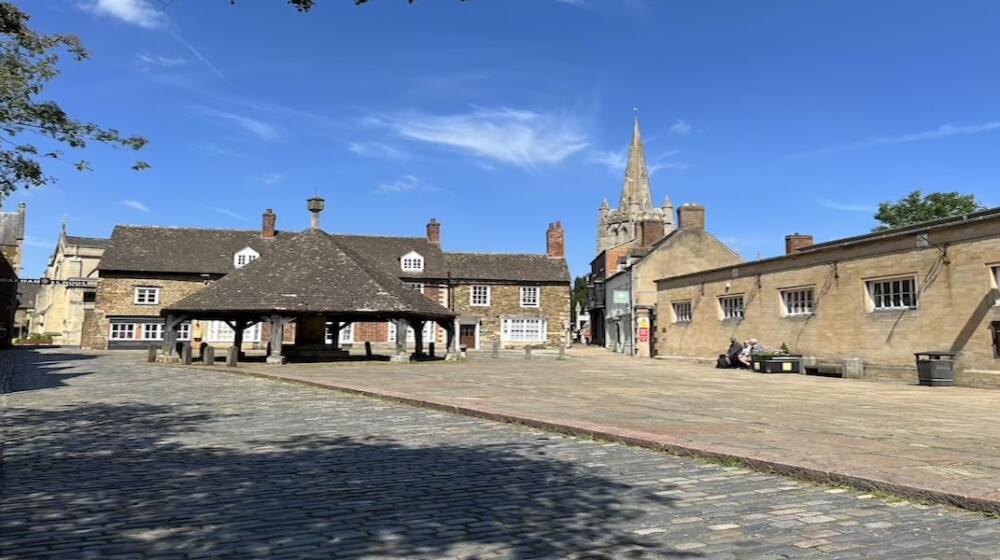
pixel 635 210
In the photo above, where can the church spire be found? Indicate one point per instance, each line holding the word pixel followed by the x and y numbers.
pixel 637 194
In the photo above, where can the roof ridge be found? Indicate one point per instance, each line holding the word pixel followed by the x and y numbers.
pixel 134 226
pixel 482 254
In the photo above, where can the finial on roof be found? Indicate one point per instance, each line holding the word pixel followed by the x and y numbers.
pixel 605 205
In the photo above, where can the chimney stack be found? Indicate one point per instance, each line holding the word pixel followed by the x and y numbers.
pixel 556 241
pixel 691 216
pixel 267 230
pixel 797 242
pixel 651 232
pixel 434 232
pixel 316 206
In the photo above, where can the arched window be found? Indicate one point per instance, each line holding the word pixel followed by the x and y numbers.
pixel 244 257
pixel 412 262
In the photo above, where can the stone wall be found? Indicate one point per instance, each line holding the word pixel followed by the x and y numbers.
pixel 506 303
pixel 957 304
pixel 115 297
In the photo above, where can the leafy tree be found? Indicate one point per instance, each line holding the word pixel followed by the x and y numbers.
pixel 915 208
pixel 579 295
pixel 28 61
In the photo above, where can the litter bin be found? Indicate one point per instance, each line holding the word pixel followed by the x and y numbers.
pixel 936 369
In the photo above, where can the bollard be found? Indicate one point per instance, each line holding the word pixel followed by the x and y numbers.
pixel 153 351
pixel 527 352
pixel 562 352
pixel 430 348
pixel 186 353
pixel 368 349
pixel 201 349
pixel 232 356
pixel 496 350
pixel 208 355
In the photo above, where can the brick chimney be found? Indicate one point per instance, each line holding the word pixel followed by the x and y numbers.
pixel 650 232
pixel 556 241
pixel 797 242
pixel 691 216
pixel 267 230
pixel 434 232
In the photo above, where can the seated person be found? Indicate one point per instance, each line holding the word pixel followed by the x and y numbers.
pixel 733 353
pixel 751 346
pixel 743 358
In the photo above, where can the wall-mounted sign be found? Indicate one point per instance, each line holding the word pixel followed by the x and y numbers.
pixel 621 296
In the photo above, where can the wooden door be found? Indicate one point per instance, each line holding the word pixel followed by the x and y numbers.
pixel 467 336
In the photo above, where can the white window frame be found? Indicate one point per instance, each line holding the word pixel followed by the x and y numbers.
pixel 146 295
pixel 416 286
pixel 683 311
pixel 891 294
pixel 156 327
pixel 799 302
pixel 536 301
pixel 219 331
pixel 346 334
pixel 733 307
pixel 129 329
pixel 184 331
pixel 521 329
pixel 483 299
pixel 244 257
pixel 412 262
pixel 995 281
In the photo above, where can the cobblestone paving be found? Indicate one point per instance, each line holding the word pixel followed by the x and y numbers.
pixel 106 458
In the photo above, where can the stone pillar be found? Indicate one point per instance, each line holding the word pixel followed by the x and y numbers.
pixel 277 336
pixel 232 356
pixel 208 355
pixel 452 328
pixel 400 355
pixel 168 352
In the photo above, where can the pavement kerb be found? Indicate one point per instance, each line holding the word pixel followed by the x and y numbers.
pixel 657 442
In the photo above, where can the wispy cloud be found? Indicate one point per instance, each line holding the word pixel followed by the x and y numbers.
pixel 135 205
pixel 260 129
pixel 405 184
pixel 943 131
pixel 512 136
pixel 616 160
pixel 133 12
pixel 226 212
pixel 272 178
pixel 376 149
pixel 681 128
pixel 197 53
pixel 846 206
pixel 158 60
pixel 577 3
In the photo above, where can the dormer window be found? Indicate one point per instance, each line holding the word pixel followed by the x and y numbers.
pixel 245 257
pixel 412 262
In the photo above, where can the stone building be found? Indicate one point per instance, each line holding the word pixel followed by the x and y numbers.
pixel 68 290
pixel 516 300
pixel 630 293
pixel 12 225
pixel 634 223
pixel 26 293
pixel 872 301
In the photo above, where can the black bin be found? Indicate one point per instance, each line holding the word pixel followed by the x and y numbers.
pixel 936 369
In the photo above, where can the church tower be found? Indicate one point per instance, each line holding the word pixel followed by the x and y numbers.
pixel 625 224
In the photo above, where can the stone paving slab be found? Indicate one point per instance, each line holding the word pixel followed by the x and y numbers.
pixel 110 458
pixel 938 444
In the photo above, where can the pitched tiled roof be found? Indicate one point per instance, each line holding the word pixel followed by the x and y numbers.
pixel 11 227
pixel 517 268
pixel 179 250
pixel 311 272
pixel 210 251
pixel 386 252
pixel 92 242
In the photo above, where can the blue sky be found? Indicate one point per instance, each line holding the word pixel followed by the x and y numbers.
pixel 499 116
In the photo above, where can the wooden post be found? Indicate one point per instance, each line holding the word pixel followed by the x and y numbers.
pixel 335 327
pixel 430 349
pixel 277 337
pixel 239 327
pixel 418 337
pixel 201 350
pixel 168 352
pixel 368 348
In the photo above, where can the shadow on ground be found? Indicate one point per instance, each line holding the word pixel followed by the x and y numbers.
pixel 46 369
pixel 112 479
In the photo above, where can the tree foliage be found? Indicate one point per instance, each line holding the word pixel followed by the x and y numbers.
pixel 28 62
pixel 579 295
pixel 915 208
